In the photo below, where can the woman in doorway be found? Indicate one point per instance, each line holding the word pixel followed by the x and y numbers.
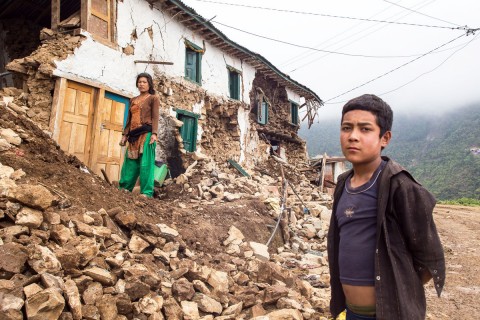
pixel 141 132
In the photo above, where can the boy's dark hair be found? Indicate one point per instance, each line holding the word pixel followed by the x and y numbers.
pixel 380 109
pixel 149 80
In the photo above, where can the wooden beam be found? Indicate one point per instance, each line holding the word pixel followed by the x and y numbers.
pixel 84 14
pixel 154 62
pixel 55 15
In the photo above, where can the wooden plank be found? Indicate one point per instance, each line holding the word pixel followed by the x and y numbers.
pixel 55 20
pixel 238 167
pixel 84 13
pixel 57 107
pixel 74 118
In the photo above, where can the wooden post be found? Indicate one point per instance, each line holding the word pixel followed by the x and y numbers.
pixel 55 21
pixel 324 160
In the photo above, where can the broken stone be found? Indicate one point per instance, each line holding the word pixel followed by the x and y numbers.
pixel 190 310
pixel 51 281
pixel 10 307
pixel 60 233
pixel 107 307
pixel 5 171
pixel 31 289
pixel 92 293
pixel 182 289
pixel 100 275
pixel 10 136
pixel 172 310
pixel 137 244
pixel 41 259
pixel 12 257
pixel 35 196
pixel 233 310
pixel 73 299
pixel 47 304
pixel 285 314
pixel 4 145
pixel 207 304
pixel 273 293
pixel 150 304
pixel 167 232
pixel 126 219
pixel 260 250
pixel 29 217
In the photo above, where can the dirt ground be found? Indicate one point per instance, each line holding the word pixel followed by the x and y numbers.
pixel 459 229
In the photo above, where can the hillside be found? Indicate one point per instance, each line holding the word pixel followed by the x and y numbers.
pixel 436 149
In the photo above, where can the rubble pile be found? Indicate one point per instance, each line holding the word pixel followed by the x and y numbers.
pixel 109 264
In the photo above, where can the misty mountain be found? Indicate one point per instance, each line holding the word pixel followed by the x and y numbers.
pixel 441 151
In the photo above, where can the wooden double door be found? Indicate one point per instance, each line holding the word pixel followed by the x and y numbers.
pixel 90 126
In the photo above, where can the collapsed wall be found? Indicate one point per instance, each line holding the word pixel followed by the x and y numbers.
pixel 37 70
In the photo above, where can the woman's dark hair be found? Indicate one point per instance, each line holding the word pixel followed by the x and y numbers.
pixel 380 109
pixel 149 80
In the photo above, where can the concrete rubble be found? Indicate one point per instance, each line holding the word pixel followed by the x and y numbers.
pixel 106 264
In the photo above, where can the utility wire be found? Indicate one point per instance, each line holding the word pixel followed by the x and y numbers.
pixel 423 14
pixel 311 48
pixel 354 40
pixel 329 15
pixel 401 66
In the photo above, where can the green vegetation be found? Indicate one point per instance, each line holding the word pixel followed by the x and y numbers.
pixel 463 202
pixel 435 149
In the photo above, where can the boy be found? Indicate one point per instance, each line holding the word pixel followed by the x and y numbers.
pixel 382 242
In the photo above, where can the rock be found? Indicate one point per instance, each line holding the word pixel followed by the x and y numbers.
pixel 4 145
pixel 150 304
pixel 60 233
pixel 47 304
pixel 41 259
pixel 167 232
pixel 182 289
pixel 136 289
pixel 260 250
pixel 90 312
pixel 172 310
pixel 285 314
pixel 93 293
pixel 34 196
pixel 6 184
pixel 207 304
pixel 88 249
pixel 6 171
pixel 273 293
pixel 12 257
pixel 219 281
pixel 233 310
pixel 100 275
pixel 137 244
pixel 31 289
pixel 10 136
pixel 126 219
pixel 234 236
pixel 190 310
pixel 10 307
pixel 29 217
pixel 73 299
pixel 107 307
pixel 51 281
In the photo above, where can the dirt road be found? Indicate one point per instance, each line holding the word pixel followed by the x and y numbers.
pixel 459 229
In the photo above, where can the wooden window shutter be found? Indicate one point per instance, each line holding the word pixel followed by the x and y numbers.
pixel 98 18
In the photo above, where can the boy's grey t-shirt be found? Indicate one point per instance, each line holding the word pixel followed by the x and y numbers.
pixel 357 220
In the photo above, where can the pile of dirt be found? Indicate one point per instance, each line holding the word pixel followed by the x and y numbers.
pixel 196 253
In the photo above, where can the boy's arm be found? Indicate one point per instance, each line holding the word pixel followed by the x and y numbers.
pixel 414 207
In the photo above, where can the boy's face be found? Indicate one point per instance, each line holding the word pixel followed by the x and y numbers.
pixel 360 137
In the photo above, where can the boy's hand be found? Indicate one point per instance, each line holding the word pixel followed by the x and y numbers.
pixel 123 141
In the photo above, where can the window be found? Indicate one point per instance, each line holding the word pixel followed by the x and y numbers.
pixel 188 130
pixel 294 112
pixel 262 113
pixel 193 62
pixel 234 82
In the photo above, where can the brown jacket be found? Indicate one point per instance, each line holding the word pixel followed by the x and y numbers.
pixel 407 243
pixel 150 109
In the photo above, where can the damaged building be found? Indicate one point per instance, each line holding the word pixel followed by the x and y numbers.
pixel 76 61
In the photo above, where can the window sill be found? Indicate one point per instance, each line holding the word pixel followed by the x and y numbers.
pixel 193 81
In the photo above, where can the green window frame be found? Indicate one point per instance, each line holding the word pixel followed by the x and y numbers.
pixel 193 62
pixel 262 112
pixel 234 82
pixel 189 129
pixel 294 113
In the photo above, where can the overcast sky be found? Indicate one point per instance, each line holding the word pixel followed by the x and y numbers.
pixel 447 78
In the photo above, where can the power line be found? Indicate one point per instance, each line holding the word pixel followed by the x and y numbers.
pixel 329 15
pixel 311 48
pixel 463 45
pixel 355 40
pixel 401 66
pixel 423 14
